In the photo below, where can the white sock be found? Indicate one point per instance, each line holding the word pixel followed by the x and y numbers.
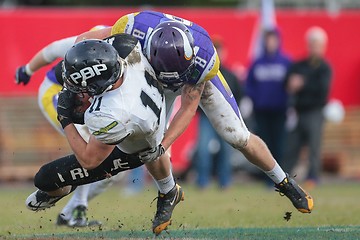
pixel 166 184
pixel 276 174
pixel 99 187
pixel 78 198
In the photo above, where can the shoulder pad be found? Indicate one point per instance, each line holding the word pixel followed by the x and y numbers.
pixel 123 43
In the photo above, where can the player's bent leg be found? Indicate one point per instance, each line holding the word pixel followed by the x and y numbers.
pixel 58 178
pixel 220 107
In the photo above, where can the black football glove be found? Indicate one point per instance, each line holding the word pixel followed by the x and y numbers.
pixel 65 107
pixel 77 116
pixel 21 77
pixel 152 154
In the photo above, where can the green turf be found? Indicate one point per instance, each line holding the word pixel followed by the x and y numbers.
pixel 322 233
pixel 248 211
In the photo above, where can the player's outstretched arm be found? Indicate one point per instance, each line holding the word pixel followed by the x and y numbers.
pixel 45 56
pixel 99 34
pixel 190 98
pixel 24 73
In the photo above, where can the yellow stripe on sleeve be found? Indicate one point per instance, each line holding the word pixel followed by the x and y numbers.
pixel 124 24
pixel 215 69
pixel 224 83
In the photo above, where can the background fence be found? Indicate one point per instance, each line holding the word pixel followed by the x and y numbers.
pixel 27 140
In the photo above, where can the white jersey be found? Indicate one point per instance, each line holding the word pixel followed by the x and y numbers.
pixel 133 115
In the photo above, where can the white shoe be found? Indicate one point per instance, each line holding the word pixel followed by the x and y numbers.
pixel 40 200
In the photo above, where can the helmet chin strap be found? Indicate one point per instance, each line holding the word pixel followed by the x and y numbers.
pixel 122 66
pixel 122 72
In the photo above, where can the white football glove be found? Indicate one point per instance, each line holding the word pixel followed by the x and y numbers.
pixel 152 154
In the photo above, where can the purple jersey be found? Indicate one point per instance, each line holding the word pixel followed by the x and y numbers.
pixel 141 24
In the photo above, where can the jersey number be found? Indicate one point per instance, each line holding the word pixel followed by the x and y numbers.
pixel 97 108
pixel 146 99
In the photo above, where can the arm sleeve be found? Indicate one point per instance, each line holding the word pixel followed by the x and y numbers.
pixel 58 49
pixel 106 129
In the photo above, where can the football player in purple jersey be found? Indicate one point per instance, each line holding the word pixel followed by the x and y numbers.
pixel 186 63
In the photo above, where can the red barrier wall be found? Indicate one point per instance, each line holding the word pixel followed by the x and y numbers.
pixel 25 31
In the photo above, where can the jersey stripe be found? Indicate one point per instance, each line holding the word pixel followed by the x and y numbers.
pixel 211 69
pixel 124 25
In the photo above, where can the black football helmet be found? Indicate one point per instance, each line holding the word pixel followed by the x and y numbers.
pixel 91 67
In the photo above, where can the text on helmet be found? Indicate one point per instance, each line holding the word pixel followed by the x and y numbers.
pixel 88 72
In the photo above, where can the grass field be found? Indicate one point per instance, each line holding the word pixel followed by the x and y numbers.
pixel 248 211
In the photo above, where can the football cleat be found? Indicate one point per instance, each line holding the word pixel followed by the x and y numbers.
pixel 165 206
pixel 40 200
pixel 79 219
pixel 301 200
pixel 61 221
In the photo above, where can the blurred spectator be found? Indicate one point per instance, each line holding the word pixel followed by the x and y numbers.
pixel 265 87
pixel 308 83
pixel 212 152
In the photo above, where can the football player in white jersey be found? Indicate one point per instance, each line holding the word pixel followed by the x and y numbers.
pixel 127 116
pixel 74 212
pixel 185 62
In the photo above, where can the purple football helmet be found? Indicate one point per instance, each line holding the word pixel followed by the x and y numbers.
pixel 170 51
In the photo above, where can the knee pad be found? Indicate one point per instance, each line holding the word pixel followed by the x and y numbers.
pixel 233 131
pixel 240 138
